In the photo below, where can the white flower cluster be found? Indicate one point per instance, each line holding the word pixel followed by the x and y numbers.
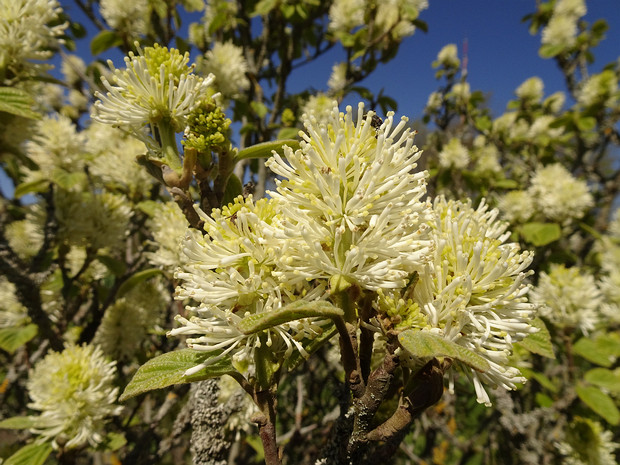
pixel 531 90
pixel 226 62
pixel 448 57
pixel 127 321
pixel 156 85
pixel 352 199
pixel 229 272
pixel 569 298
pixel 25 35
pixel 562 27
pixel 12 312
pixel 93 220
pixel 454 155
pixel 349 211
pixel 599 89
pixel 56 145
pixel 394 17
pixel 586 442
pixel 473 292
pixel 127 17
pixel 168 226
pixel 558 195
pixel 74 392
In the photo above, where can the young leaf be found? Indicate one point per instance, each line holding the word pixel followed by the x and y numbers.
pixel 32 454
pixel 600 402
pixel 602 377
pixel 598 351
pixel 18 423
pixel 540 234
pixel 103 41
pixel 170 368
pixel 265 149
pixel 32 187
pixel 136 279
pixel 539 342
pixel 12 339
pixel 17 102
pixel 294 311
pixel 423 344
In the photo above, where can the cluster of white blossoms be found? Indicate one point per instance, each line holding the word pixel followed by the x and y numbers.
pixel 25 35
pixel 600 89
pixel 113 164
pixel 394 17
pixel 168 226
pixel 127 17
pixel 486 156
pixel 516 206
pixel 531 90
pixel 352 199
pixel 569 298
pixel 586 442
pixel 93 220
pixel 226 62
pixel 349 210
pixel 561 30
pixel 157 86
pixel 454 155
pixel 473 292
pixel 558 195
pixel 448 57
pixel 56 145
pixel 126 322
pixel 12 312
pixel 229 272
pixel 74 392
pixel 319 105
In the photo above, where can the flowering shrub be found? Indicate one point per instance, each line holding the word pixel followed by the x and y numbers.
pixel 291 279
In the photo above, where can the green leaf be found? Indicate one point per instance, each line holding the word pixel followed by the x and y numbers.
pixel 18 423
pixel 32 187
pixel 604 378
pixel 586 123
pixel 602 351
pixel 539 342
pixel 32 454
pixel 265 149
pixel 543 400
pixel 263 7
pixel 234 189
pixel 260 109
pixel 170 368
pixel 505 183
pixel 483 123
pixel 423 344
pixel 17 102
pixel 287 133
pixel 541 234
pixel 12 339
pixel 549 50
pixel 540 378
pixel 136 279
pixel 600 402
pixel 104 41
pixel 117 267
pixel 114 441
pixel 301 309
pixel 67 180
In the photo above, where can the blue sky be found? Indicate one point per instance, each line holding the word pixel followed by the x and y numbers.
pixel 502 53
